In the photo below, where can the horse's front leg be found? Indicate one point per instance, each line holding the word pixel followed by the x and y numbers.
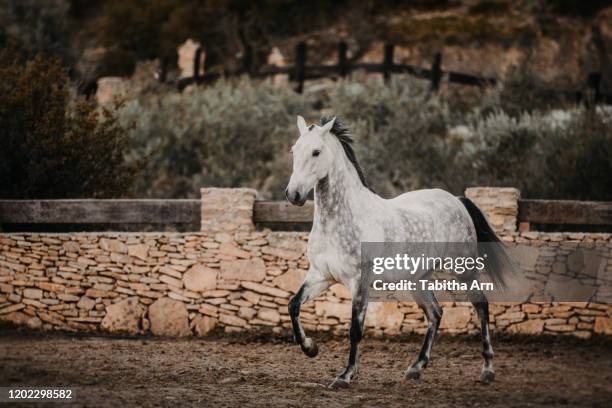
pixel 313 285
pixel 359 308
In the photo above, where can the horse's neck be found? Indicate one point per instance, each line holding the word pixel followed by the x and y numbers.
pixel 338 192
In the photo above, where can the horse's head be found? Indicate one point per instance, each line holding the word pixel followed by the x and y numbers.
pixel 311 160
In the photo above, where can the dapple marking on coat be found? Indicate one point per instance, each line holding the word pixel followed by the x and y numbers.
pixel 347 212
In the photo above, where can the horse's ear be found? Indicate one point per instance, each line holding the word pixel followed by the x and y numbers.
pixel 301 124
pixel 329 125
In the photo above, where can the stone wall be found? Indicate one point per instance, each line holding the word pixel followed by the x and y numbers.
pixel 232 277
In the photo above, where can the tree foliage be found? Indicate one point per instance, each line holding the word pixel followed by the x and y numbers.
pixel 53 144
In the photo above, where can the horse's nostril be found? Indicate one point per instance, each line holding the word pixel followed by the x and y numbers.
pixel 287 193
pixel 297 196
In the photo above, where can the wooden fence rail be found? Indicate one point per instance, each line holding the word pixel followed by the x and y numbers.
pixel 565 212
pixel 300 72
pixel 100 211
pixel 189 212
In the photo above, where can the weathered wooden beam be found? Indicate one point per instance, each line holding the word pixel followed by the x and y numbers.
pixel 565 212
pixel 100 211
pixel 188 212
pixel 282 212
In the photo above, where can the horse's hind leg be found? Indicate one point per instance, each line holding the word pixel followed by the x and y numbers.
pixel 427 301
pixel 481 305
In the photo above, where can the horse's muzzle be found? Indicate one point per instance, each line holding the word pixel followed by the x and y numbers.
pixel 295 198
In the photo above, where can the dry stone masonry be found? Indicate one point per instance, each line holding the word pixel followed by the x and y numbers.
pixel 232 277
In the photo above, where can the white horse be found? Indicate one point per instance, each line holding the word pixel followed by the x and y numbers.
pixel 348 213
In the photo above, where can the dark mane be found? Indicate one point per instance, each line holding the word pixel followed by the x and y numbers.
pixel 346 140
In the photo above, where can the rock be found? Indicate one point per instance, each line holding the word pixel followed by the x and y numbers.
pixel 200 278
pixel 208 310
pixel 169 280
pixel 51 287
pixel 281 253
pixel 34 323
pixel 265 290
pixel 32 293
pixel 97 293
pixel 246 312
pixel 16 318
pixel 511 316
pixel 331 309
pixel 231 320
pixel 202 325
pixel 139 251
pixel 68 298
pixel 86 303
pixel 341 291
pixel 603 325
pixel 290 280
pixel 232 250
pixel 385 315
pixel 71 246
pixel 12 308
pixel 527 327
pixel 123 317
pixel 530 308
pixel 120 258
pixel 270 315
pixel 113 245
pixel 243 270
pixel 455 318
pixel 169 317
pixel 251 297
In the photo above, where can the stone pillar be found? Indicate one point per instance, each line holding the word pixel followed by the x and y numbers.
pixel 276 59
pixel 227 209
pixel 111 89
pixel 500 205
pixel 186 54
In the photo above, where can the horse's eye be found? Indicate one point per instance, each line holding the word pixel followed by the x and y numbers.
pixel 315 153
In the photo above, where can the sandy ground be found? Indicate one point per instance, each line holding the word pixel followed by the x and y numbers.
pixel 266 371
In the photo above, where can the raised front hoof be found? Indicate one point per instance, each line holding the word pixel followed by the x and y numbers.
pixel 487 377
pixel 338 383
pixel 413 374
pixel 310 348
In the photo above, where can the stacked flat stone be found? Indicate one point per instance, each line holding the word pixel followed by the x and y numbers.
pixel 232 277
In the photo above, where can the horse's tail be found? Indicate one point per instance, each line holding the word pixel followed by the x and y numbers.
pixel 498 260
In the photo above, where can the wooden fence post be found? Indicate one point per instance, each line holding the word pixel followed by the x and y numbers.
pixel 436 71
pixel 247 60
pixel 342 62
pixel 196 65
pixel 300 66
pixel 593 81
pixel 163 70
pixel 388 62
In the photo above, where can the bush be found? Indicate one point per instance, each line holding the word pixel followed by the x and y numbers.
pixel 54 145
pixel 227 134
pixel 402 131
pixel 237 134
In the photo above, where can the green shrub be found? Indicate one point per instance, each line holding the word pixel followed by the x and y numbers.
pixel 238 133
pixel 55 145
pixel 228 134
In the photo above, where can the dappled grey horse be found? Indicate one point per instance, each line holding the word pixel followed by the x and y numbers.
pixel 348 213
